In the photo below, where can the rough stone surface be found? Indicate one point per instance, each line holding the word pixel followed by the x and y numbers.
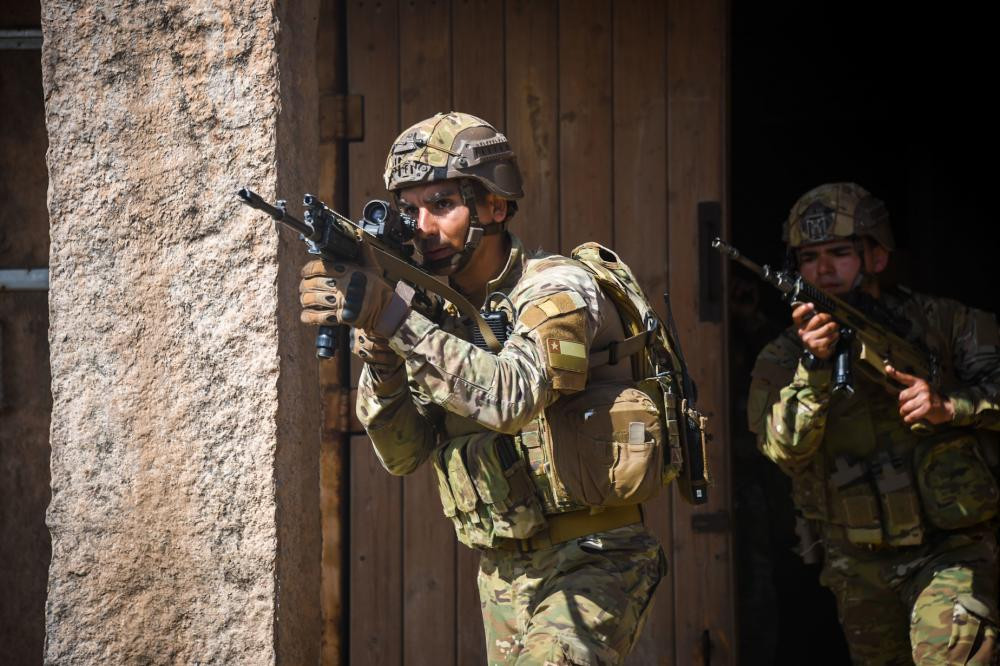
pixel 184 514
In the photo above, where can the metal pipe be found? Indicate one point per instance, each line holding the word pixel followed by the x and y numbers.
pixel 24 279
pixel 21 40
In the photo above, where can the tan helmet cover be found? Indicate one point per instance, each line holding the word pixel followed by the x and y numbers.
pixel 834 211
pixel 453 145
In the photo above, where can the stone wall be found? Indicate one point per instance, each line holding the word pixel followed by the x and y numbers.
pixel 184 514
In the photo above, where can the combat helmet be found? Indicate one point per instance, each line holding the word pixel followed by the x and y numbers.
pixel 459 146
pixel 835 211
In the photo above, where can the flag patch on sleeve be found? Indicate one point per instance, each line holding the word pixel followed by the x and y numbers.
pixel 566 355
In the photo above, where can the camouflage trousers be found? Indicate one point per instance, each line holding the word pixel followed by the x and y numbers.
pixel 582 602
pixel 929 604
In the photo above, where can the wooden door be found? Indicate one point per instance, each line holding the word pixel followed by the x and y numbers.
pixel 617 112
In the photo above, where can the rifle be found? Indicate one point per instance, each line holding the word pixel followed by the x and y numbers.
pixel 381 240
pixel 877 344
pixel 693 427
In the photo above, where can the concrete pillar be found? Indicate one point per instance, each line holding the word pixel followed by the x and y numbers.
pixel 185 416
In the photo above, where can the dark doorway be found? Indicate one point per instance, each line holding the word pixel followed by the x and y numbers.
pixel 897 102
pixel 25 398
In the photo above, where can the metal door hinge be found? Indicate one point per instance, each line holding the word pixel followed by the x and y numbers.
pixel 341 117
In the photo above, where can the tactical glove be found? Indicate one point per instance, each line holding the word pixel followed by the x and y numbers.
pixel 334 293
pixel 375 351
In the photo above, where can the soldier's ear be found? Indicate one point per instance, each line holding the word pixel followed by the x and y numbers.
pixel 497 206
pixel 880 258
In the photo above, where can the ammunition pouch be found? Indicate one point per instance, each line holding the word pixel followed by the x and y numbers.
pixel 957 487
pixel 687 434
pixel 854 504
pixel 607 445
pixel 486 489
pixel 876 501
pixel 898 499
pixel 891 500
pixel 809 492
pixel 614 444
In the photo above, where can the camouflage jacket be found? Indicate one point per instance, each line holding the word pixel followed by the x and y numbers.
pixel 448 387
pixel 802 427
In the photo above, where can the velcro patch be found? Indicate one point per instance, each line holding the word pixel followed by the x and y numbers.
pixel 532 317
pixel 566 355
pixel 565 301
pixel 553 306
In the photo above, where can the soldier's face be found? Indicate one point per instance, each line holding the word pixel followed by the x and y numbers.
pixel 442 219
pixel 834 267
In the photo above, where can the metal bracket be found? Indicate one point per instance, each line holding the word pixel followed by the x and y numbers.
pixel 341 118
pixel 21 40
pixel 3 401
pixel 24 279
pixel 709 263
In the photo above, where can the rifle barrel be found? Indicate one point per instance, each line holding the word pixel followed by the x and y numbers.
pixel 734 254
pixel 254 200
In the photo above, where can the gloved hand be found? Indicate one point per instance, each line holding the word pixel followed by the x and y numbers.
pixel 374 350
pixel 334 293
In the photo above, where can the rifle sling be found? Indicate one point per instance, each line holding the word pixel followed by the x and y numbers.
pixel 403 270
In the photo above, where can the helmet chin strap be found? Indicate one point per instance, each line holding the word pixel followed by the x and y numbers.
pixel 476 232
pixel 863 277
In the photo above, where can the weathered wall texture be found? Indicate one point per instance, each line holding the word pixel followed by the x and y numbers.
pixel 184 513
pixel 24 355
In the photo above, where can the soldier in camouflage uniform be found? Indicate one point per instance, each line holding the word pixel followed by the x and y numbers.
pixel 899 485
pixel 560 581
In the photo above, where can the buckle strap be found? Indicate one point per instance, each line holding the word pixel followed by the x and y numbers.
pixel 564 527
pixel 616 351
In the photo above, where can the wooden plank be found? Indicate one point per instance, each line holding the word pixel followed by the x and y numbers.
pixel 477 88
pixel 697 152
pixel 640 229
pixel 532 98
pixel 376 562
pixel 640 146
pixel 373 71
pixel 478 59
pixel 334 469
pixel 376 620
pixel 585 191
pixel 428 538
pixel 425 65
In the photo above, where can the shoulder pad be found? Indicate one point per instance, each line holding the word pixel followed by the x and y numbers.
pixel 558 324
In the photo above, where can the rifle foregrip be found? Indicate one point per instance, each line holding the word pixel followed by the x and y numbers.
pixel 326 342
